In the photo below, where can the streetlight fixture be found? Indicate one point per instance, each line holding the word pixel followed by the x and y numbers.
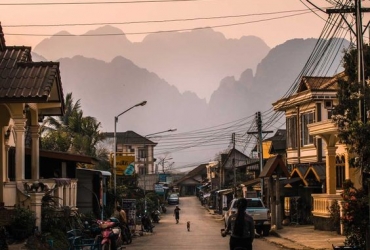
pixel 168 130
pixel 115 143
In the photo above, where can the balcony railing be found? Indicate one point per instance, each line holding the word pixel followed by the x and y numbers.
pixel 64 189
pixel 322 203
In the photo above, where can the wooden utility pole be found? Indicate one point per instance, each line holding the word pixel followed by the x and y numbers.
pixel 259 132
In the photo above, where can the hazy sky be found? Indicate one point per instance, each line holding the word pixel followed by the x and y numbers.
pixel 290 20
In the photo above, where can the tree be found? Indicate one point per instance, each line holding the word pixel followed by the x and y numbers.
pixel 73 132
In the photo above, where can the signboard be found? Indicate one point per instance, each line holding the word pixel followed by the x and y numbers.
pixel 162 177
pixel 125 164
pixel 129 205
pixel 158 188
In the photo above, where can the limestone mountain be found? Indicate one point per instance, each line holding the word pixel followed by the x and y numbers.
pixel 192 61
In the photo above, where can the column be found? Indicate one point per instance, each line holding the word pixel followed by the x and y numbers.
pixel 36 204
pixel 330 170
pixel 19 124
pixel 35 155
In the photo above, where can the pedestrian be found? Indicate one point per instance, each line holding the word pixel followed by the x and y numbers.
pixel 176 213
pixel 121 215
pixel 241 226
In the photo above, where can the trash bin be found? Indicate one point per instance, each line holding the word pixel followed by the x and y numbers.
pixel 346 247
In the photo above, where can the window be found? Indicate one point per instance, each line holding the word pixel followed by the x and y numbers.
pixel 292 132
pixel 306 119
pixel 141 153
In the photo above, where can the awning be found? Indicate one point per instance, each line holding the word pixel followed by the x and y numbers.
pixel 205 185
pixel 225 191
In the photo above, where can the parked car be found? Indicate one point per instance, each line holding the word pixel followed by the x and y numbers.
pixel 173 199
pixel 255 208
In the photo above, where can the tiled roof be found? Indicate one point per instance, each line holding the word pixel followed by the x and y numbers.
pixel 130 138
pixel 22 80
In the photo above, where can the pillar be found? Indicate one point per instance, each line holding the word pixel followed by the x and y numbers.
pixel 331 170
pixel 19 124
pixel 36 204
pixel 35 155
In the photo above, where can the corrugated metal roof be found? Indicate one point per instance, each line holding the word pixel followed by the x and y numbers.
pixel 22 80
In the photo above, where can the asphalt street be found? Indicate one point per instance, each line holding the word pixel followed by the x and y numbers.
pixel 204 231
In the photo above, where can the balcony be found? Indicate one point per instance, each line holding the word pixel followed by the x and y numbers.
pixel 322 203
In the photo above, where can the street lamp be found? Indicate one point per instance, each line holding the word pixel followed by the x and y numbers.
pixel 168 130
pixel 115 143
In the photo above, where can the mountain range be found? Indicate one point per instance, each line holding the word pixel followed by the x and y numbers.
pixel 191 80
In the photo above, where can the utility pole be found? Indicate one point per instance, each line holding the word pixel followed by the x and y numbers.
pixel 233 161
pixel 259 132
pixel 357 11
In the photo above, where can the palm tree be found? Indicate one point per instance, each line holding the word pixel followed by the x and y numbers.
pixel 71 132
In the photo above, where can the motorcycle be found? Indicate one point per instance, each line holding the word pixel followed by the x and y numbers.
pixel 111 238
pixel 146 224
pixel 155 216
pixel 163 208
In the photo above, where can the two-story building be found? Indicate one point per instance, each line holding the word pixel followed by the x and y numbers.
pixel 139 151
pixel 313 150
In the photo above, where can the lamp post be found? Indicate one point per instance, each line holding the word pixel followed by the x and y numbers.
pixel 115 143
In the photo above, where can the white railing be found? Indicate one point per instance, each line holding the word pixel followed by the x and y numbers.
pixel 322 203
pixel 64 189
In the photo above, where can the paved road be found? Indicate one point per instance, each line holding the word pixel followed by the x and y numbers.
pixel 204 231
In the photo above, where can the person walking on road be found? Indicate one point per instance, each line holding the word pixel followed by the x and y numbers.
pixel 176 213
pixel 241 226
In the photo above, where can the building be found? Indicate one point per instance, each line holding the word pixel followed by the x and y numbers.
pixel 314 153
pixel 137 150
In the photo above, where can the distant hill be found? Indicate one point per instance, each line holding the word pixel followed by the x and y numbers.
pixel 192 61
pixel 108 88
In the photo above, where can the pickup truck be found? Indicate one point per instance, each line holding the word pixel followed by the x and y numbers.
pixel 261 215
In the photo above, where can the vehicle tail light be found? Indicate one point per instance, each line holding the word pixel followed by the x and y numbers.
pixel 268 215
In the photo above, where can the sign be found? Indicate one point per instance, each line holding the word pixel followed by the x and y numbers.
pixel 158 188
pixel 162 177
pixel 129 205
pixel 125 164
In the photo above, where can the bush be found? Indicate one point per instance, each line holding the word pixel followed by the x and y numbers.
pixel 355 220
pixel 22 223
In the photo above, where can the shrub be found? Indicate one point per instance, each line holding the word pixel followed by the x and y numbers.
pixel 22 223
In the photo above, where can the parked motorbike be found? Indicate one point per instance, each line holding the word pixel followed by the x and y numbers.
pixel 155 216
pixel 110 235
pixel 163 208
pixel 146 224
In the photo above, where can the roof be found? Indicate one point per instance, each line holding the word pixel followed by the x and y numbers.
pixel 297 172
pixel 130 138
pixel 103 173
pixel 22 80
pixel 318 170
pixel 192 173
pixel 274 165
pixel 252 182
pixel 65 156
pixel 278 142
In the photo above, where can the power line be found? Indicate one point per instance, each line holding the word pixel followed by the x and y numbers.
pixel 161 31
pixel 151 21
pixel 96 3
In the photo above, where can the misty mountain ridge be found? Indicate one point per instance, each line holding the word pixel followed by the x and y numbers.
pixel 108 88
pixel 192 61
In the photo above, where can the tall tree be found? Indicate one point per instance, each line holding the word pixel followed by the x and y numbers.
pixel 71 132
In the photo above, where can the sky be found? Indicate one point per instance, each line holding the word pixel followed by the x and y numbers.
pixel 272 20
